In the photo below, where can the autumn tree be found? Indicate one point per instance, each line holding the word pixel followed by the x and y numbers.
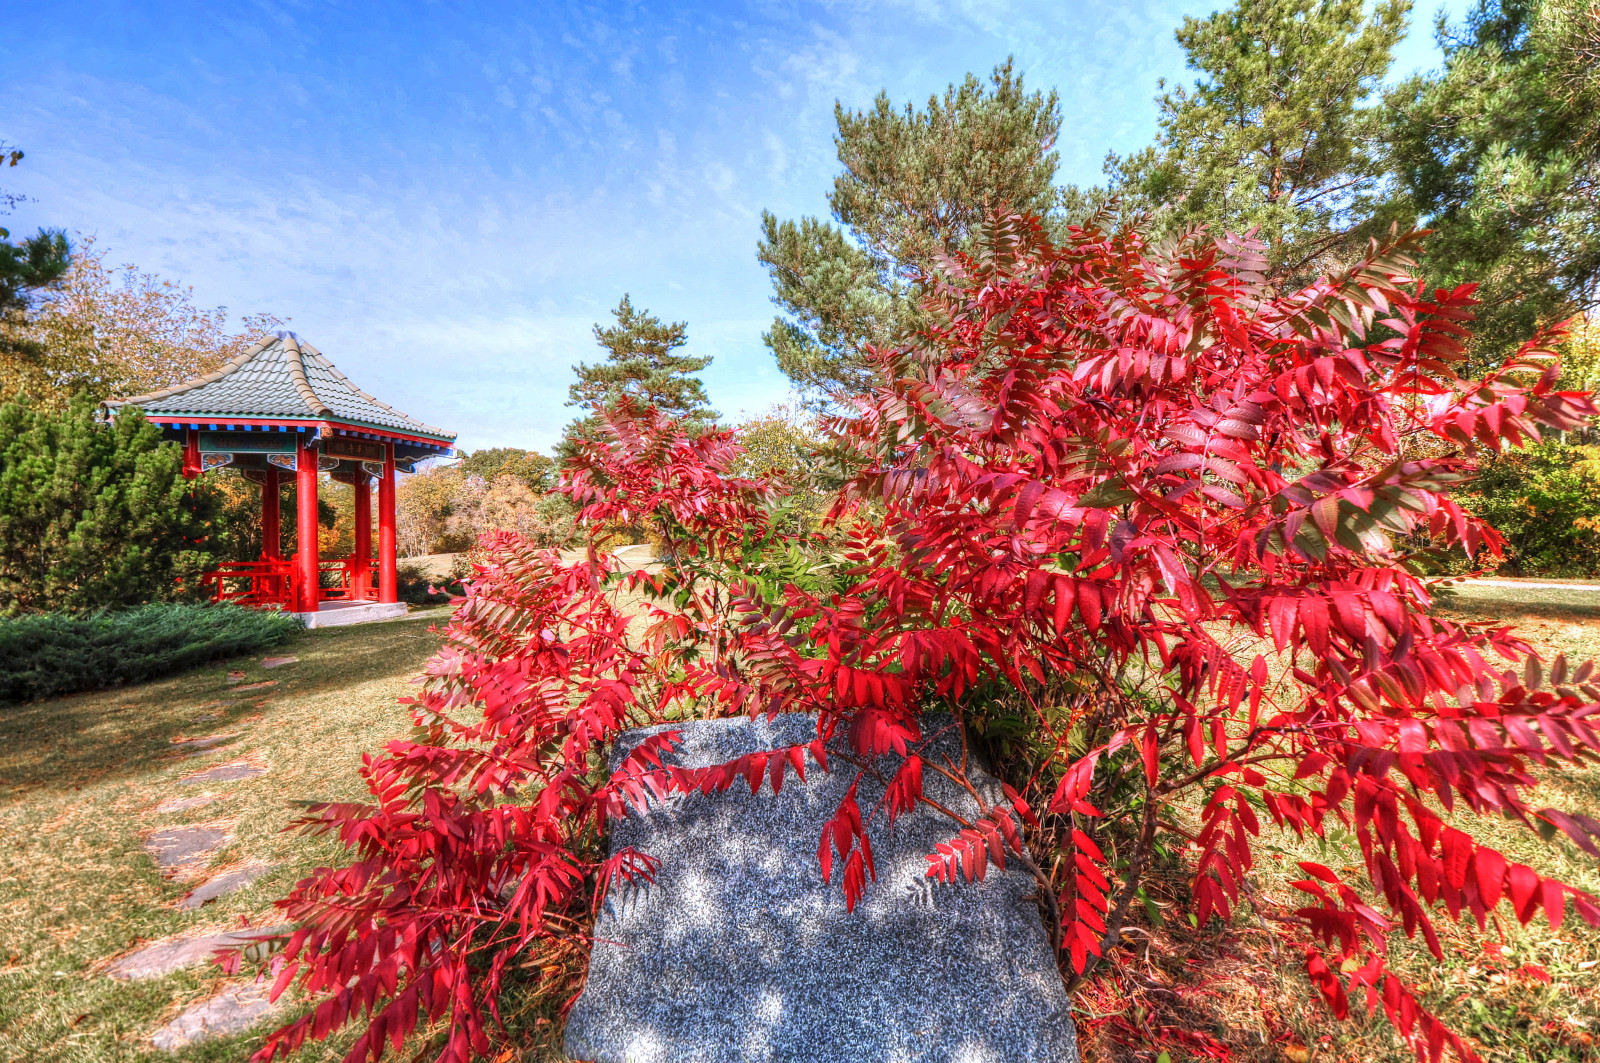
pixel 914 185
pixel 640 365
pixel 115 330
pixel 534 469
pixel 424 503
pixel 786 446
pixel 1279 134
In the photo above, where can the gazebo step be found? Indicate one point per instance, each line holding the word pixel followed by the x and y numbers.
pixel 337 614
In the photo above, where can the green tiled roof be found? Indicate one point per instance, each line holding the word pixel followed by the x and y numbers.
pixel 280 377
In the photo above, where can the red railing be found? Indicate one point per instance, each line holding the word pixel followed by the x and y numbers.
pixel 338 580
pixel 260 584
pixel 273 584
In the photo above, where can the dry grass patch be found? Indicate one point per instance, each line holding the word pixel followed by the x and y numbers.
pixel 80 781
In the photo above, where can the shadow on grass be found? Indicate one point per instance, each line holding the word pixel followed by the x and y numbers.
pixel 73 741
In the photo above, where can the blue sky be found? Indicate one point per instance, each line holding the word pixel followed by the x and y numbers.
pixel 444 198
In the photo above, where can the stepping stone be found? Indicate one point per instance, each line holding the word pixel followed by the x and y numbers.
pixel 181 851
pixel 233 772
pixel 278 662
pixel 259 686
pixel 222 884
pixel 235 677
pixel 162 958
pixel 183 804
pixel 203 744
pixel 198 753
pixel 740 952
pixel 233 1010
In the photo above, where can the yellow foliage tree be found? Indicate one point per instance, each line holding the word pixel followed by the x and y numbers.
pixel 424 503
pixel 115 330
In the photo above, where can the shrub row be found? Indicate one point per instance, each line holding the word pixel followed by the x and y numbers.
pixel 45 654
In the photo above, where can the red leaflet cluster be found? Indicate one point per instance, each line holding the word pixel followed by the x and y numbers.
pixel 1109 459
pixel 480 850
pixel 1125 500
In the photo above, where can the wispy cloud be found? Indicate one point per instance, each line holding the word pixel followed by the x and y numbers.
pixel 445 202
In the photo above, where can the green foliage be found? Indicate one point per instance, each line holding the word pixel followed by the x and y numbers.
pixel 531 467
pixel 915 186
pixel 95 515
pixel 1500 154
pixel 45 654
pixel 1545 500
pixel 639 365
pixel 30 264
pixel 1277 134
pixel 26 267
pixel 784 445
pixel 417 586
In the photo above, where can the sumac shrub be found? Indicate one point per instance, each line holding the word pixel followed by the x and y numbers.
pixel 1123 507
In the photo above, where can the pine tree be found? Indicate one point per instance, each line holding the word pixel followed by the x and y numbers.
pixel 1499 154
pixel 26 267
pixel 639 364
pixel 95 515
pixel 1279 133
pixel 914 186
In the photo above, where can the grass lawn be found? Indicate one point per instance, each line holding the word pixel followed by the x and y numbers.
pixel 79 779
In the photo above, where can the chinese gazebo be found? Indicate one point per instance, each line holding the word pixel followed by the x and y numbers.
pixel 282 411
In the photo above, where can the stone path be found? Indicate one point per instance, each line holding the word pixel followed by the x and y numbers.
pixel 221 884
pixel 165 957
pixel 183 804
pixel 182 852
pixel 231 772
pixel 234 1010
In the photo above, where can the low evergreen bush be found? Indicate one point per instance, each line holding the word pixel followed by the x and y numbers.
pixel 45 654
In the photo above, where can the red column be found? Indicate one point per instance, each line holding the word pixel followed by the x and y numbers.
pixel 271 536
pixel 388 582
pixel 363 559
pixel 191 454
pixel 305 502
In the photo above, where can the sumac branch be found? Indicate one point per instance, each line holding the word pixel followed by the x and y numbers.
pixel 1143 526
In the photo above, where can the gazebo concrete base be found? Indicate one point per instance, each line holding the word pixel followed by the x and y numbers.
pixel 338 614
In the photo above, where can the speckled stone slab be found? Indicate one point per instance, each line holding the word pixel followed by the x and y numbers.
pixel 181 851
pixel 221 884
pixel 739 953
pixel 162 958
pixel 183 804
pixel 233 1010
pixel 224 773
